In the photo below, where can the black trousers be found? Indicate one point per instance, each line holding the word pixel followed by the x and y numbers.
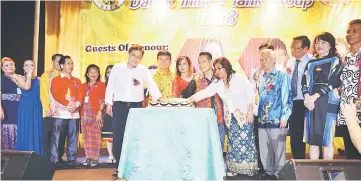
pixel 350 150
pixel 120 115
pixel 47 133
pixel 296 128
pixel 256 140
pixel 47 122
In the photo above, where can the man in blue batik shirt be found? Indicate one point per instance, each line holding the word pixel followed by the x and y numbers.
pixel 275 107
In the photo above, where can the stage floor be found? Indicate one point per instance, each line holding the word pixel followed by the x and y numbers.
pixel 105 171
pixel 84 174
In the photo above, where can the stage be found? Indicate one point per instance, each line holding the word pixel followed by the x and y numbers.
pixel 84 174
pixel 104 171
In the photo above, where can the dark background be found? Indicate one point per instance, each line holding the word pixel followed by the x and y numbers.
pixel 17 32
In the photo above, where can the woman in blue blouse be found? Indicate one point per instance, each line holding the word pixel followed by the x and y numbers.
pixel 320 84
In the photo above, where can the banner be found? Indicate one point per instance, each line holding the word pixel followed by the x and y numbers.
pixel 230 28
pixel 101 31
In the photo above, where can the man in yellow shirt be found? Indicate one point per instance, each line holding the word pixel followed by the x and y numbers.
pixel 46 101
pixel 163 76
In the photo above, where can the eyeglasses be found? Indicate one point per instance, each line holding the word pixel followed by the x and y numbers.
pixel 218 69
pixel 134 56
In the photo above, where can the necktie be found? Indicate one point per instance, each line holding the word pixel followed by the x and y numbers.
pixel 295 79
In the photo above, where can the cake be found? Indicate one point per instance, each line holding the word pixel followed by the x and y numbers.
pixel 172 102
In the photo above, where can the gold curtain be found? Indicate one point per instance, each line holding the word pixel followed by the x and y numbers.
pixel 62 31
pixel 62 34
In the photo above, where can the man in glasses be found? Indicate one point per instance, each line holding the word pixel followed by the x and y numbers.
pixel 295 68
pixel 125 90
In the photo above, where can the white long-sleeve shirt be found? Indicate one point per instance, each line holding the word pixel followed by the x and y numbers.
pixel 239 95
pixel 291 63
pixel 127 84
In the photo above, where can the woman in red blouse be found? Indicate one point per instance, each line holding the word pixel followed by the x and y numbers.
pixel 91 96
pixel 184 75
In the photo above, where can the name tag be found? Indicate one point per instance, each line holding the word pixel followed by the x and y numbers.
pixel 86 100
pixel 18 90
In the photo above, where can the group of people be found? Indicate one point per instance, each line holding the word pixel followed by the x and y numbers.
pixel 303 95
pixel 312 93
pixel 41 114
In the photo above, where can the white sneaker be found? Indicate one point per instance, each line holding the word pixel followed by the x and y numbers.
pixel 87 162
pixel 110 160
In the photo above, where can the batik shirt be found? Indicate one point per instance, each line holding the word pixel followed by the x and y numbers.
pixel 164 82
pixel 275 99
pixel 350 79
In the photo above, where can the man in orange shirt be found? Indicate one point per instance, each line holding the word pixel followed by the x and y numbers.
pixel 64 89
pixel 46 100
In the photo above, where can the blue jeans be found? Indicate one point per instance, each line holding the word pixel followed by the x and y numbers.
pixel 71 129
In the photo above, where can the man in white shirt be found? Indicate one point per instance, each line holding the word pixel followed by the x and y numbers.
pixel 295 68
pixel 126 89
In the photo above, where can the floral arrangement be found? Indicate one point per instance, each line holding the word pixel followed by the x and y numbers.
pixel 135 82
pixel 289 70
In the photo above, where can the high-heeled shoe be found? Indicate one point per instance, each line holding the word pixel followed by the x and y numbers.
pixel 111 160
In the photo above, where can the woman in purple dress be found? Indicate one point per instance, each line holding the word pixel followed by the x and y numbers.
pixel 11 85
pixel 10 98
